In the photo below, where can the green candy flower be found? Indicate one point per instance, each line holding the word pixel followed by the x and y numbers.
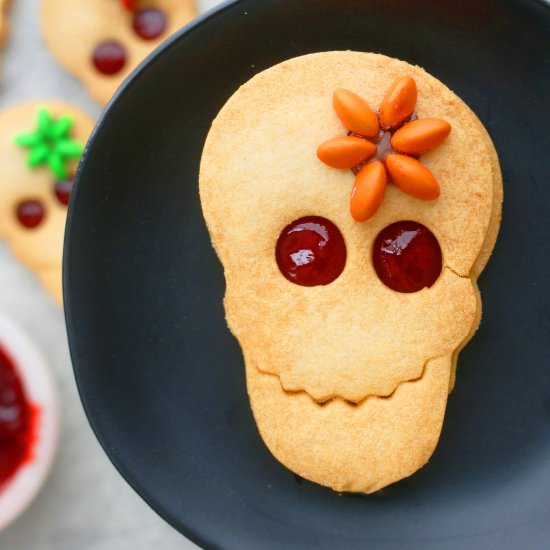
pixel 51 144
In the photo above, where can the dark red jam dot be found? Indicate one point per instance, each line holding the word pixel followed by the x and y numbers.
pixel 311 251
pixel 63 190
pixel 407 257
pixel 149 23
pixel 109 57
pixel 16 421
pixel 30 213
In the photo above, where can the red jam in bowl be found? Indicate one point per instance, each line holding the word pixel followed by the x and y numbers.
pixel 17 421
pixel 407 257
pixel 311 251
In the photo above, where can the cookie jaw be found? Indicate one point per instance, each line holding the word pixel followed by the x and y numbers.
pixel 359 448
pixel 72 32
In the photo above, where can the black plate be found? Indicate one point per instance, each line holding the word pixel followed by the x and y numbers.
pixel 161 378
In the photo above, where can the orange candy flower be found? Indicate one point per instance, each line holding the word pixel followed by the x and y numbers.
pixel 366 148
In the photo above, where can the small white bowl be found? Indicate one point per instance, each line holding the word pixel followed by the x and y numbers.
pixel 21 490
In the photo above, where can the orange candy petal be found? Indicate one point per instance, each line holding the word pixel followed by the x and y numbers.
pixel 345 151
pixel 355 113
pixel 399 102
pixel 420 136
pixel 368 191
pixel 412 177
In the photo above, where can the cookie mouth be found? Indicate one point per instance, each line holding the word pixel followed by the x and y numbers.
pixel 333 398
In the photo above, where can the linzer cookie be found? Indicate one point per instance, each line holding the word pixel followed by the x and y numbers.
pixel 352 220
pixel 40 144
pixel 102 41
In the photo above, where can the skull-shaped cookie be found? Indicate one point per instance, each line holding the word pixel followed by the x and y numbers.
pixel 348 379
pixel 102 41
pixel 40 144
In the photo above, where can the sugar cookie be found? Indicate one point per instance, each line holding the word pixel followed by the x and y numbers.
pixel 348 381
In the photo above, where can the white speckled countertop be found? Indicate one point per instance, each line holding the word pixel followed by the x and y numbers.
pixel 85 504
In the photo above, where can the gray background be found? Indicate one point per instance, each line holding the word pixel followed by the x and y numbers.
pixel 85 504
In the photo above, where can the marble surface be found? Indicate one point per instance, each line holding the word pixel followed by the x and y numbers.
pixel 85 504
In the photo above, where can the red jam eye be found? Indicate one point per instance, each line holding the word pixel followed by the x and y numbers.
pixel 149 23
pixel 63 190
pixel 311 251
pixel 407 257
pixel 30 213
pixel 109 57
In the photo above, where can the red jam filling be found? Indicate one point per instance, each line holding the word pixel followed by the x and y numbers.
pixel 63 190
pixel 149 23
pixel 311 251
pixel 17 421
pixel 30 213
pixel 109 57
pixel 407 257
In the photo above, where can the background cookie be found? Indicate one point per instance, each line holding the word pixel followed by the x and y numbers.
pixel 33 202
pixel 4 25
pixel 97 40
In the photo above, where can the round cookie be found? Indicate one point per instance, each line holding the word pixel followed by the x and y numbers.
pixel 40 247
pixel 72 31
pixel 354 340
